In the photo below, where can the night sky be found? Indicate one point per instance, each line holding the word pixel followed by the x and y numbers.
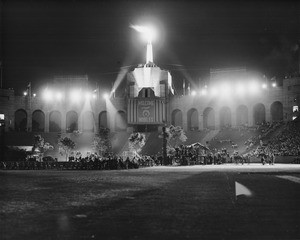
pixel 40 39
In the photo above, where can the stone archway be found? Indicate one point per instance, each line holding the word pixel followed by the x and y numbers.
pixel 21 120
pixel 276 111
pixel 209 118
pixel 38 121
pixel 55 121
pixel 177 118
pixel 103 120
pixel 88 121
pixel 259 113
pixel 225 117
pixel 242 115
pixel 193 119
pixel 71 121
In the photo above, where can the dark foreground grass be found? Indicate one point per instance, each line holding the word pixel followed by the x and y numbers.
pixel 154 203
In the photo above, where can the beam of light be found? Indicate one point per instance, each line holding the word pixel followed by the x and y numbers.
pixel 75 95
pixel 225 90
pixel 106 96
pixel 48 95
pixel 58 96
pixel 253 87
pixel 203 92
pixel 214 91
pixel 88 95
pixel 240 89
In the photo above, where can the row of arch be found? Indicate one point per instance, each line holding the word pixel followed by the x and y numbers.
pixel 225 116
pixel 55 121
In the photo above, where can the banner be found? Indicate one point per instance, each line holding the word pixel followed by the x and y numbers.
pixel 145 111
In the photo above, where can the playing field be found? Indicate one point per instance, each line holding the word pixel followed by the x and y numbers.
pixel 195 202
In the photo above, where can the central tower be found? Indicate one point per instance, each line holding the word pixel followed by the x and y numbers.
pixel 148 88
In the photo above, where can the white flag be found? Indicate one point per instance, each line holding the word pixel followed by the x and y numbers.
pixel 241 190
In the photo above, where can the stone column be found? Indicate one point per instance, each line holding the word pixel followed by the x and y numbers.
pixel 184 121
pixel 47 119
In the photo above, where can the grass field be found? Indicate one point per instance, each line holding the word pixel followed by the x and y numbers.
pixel 195 202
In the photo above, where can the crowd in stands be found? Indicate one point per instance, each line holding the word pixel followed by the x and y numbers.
pixel 287 143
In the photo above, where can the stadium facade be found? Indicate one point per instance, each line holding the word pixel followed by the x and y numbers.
pixel 232 97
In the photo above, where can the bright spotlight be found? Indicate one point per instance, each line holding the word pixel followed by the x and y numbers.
pixel 273 84
pixel 75 95
pixel 240 89
pixel 88 95
pixel 226 90
pixel 94 96
pixel 58 96
pixel 214 91
pixel 253 87
pixel 203 92
pixel 264 85
pixel 25 93
pixel 193 93
pixel 106 96
pixel 148 32
pixel 48 95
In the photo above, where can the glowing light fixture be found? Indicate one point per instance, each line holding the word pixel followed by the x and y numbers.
pixel 193 93
pixel 34 95
pixel 203 92
pixel 106 96
pixel 273 84
pixel 88 95
pixel 48 95
pixel 94 96
pixel 25 93
pixel 149 34
pixel 75 95
pixel 240 89
pixel 253 87
pixel 214 91
pixel 58 96
pixel 225 90
pixel 264 86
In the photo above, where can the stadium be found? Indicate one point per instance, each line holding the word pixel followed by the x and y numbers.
pixel 232 98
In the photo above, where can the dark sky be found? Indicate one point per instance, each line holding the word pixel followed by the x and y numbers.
pixel 41 39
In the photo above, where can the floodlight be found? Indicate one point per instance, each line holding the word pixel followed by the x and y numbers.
pixel 94 96
pixel 148 32
pixel 264 85
pixel 25 93
pixel 273 84
pixel 75 95
pixel 226 90
pixel 253 87
pixel 193 93
pixel 214 91
pixel 34 95
pixel 106 96
pixel 88 95
pixel 240 89
pixel 48 95
pixel 58 96
pixel 203 92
